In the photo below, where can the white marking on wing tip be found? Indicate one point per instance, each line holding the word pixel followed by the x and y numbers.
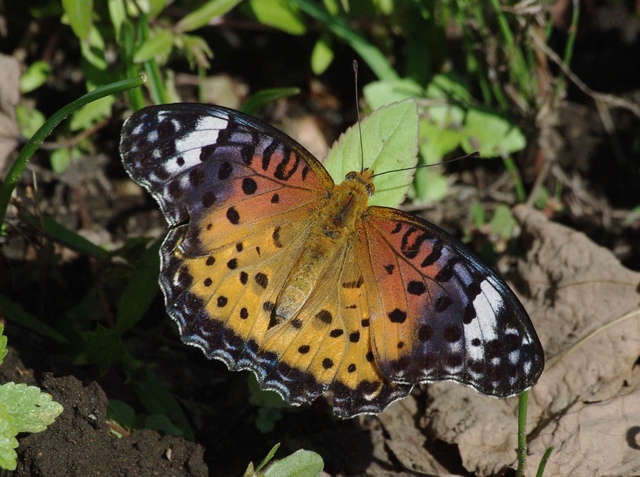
pixel 152 136
pixel 514 357
pixel 211 122
pixel 190 157
pixel 176 125
pixel 156 154
pixel 488 305
pixel 495 361
pixel 527 367
pixel 138 129
pixel 472 331
pixel 197 139
pixel 511 331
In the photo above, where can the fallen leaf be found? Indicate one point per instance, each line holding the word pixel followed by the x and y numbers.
pixel 584 305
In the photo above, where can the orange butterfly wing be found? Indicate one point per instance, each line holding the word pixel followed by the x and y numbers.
pixel 251 196
pixel 270 267
pixel 446 316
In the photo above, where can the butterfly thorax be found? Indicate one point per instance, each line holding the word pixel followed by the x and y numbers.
pixel 338 219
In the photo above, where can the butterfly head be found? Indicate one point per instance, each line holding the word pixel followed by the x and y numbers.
pixel 365 178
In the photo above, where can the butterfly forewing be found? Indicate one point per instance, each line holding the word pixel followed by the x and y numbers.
pixel 446 315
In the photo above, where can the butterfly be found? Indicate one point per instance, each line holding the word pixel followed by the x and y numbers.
pixel 270 266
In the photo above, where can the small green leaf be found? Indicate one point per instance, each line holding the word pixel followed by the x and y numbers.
pixel 31 409
pixel 390 141
pixel 3 344
pixel 269 456
pixel 8 441
pixel 158 422
pixel 118 14
pixel 267 419
pixel 14 312
pixel 91 113
pixel 491 134
pixel 35 76
pixel 381 93
pixel 60 160
pixel 159 45
pixel 203 15
pixel 265 96
pixel 321 56
pixel 156 7
pixel 79 16
pixel 103 347
pixel 140 290
pixel 302 463
pixel 477 215
pixel 279 14
pixel 29 120
pixel 502 223
pixel 196 49
pixel 122 413
pixel 93 50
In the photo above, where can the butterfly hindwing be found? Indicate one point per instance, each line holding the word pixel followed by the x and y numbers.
pixel 446 315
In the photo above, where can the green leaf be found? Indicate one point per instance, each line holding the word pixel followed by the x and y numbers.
pixel 103 347
pixel 267 419
pixel 203 15
pixel 67 237
pixel 381 93
pixel 268 457
pixel 3 344
pixel 491 134
pixel 60 160
pixel 29 120
pixel 279 14
pixel 14 312
pixel 376 60
pixel 196 49
pixel 156 7
pixel 91 113
pixel 477 215
pixel 118 14
pixel 158 422
pixel 122 413
pixel 502 223
pixel 321 56
pixel 31 409
pixel 260 98
pixel 93 50
pixel 390 141
pixel 140 290
pixel 158 400
pixel 302 463
pixel 159 45
pixel 79 16
pixel 35 76
pixel 8 441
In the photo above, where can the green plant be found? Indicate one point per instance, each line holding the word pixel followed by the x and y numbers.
pixel 22 409
pixel 302 463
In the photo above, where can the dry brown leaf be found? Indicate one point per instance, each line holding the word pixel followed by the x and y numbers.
pixel 405 441
pixel 584 305
pixel 9 97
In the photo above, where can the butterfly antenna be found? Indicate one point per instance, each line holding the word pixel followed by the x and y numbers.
pixel 355 78
pixel 473 155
